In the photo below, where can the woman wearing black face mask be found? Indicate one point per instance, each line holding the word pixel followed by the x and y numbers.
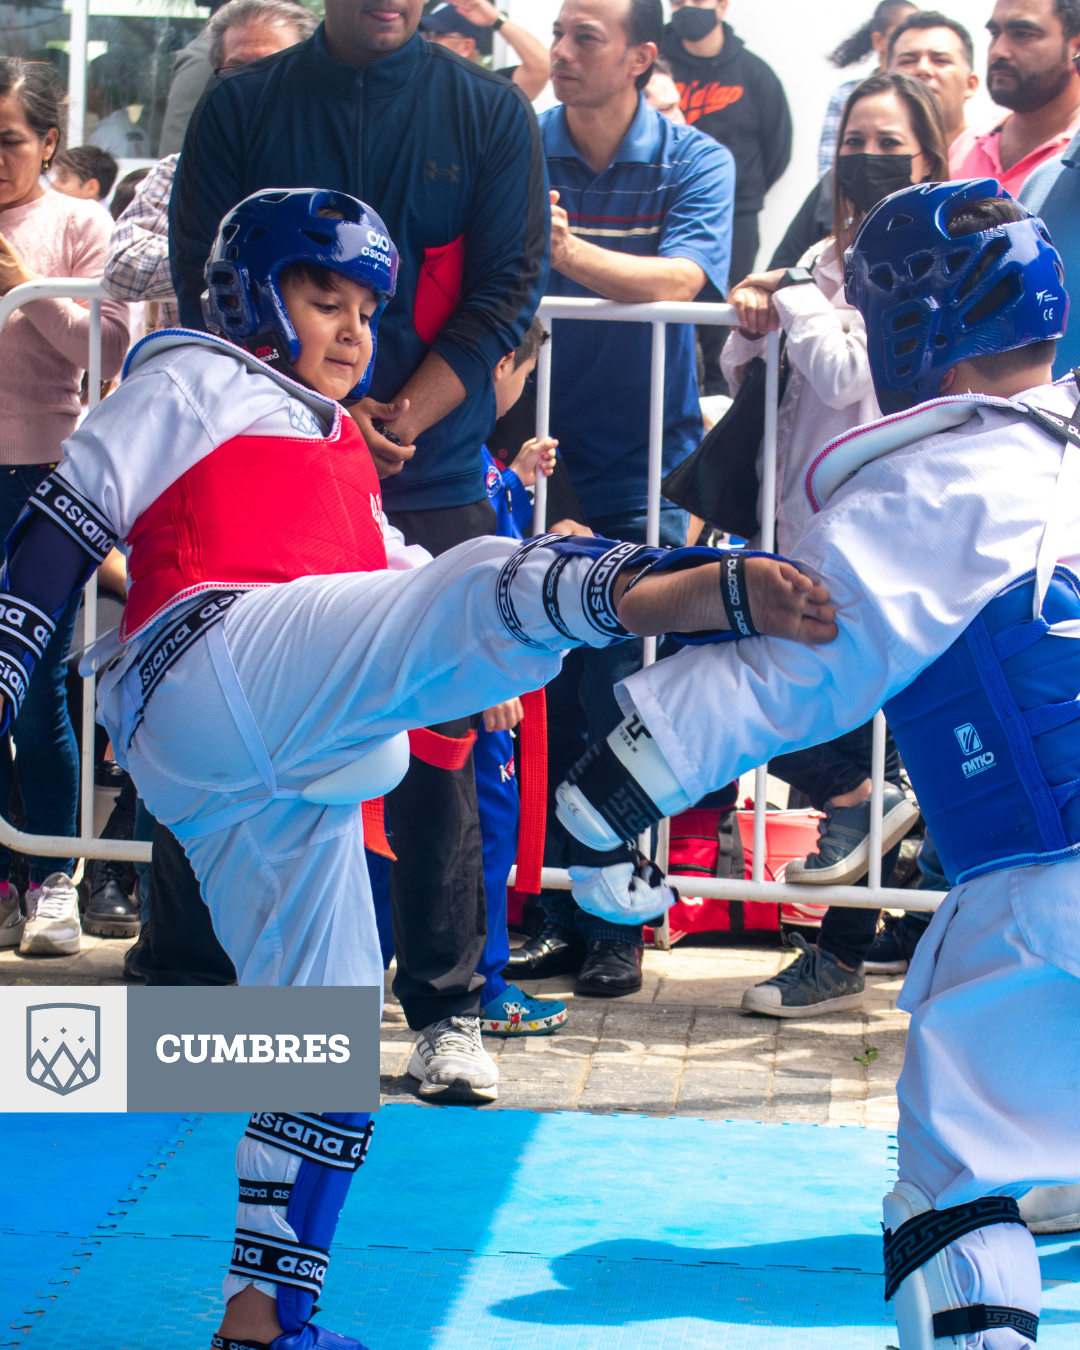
pixel 890 135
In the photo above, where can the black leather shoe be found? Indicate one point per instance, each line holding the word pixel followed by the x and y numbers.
pixel 554 951
pixel 111 912
pixel 610 969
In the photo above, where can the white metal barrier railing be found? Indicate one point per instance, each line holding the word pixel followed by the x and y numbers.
pixel 85 845
pixel 659 315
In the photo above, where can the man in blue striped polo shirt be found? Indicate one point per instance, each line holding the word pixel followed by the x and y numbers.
pixel 642 210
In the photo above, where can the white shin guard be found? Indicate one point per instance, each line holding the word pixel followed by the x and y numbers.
pixel 256 1161
pixel 619 788
pixel 992 1270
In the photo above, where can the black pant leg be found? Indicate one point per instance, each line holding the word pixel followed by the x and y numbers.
pixel 835 767
pixel 437 899
pixel 182 947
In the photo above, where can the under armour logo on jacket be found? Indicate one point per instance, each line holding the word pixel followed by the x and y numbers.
pixel 432 171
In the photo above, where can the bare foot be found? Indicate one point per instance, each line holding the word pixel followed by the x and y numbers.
pixel 251 1316
pixel 783 603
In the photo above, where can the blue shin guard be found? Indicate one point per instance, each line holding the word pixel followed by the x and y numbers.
pixel 330 1148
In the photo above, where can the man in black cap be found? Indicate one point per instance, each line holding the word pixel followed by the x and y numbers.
pixel 467 27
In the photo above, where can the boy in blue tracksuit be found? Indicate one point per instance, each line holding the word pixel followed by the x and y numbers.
pixel 505 1009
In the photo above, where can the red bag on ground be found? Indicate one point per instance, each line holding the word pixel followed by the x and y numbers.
pixel 703 843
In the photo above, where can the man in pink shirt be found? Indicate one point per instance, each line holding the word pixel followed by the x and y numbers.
pixel 1032 72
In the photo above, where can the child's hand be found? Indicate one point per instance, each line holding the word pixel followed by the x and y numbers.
pixel 504 716
pixel 535 455
pixel 389 456
pixel 570 527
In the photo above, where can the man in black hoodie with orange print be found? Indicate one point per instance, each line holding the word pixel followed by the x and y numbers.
pixel 734 97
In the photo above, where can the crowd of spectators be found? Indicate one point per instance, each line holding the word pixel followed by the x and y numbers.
pixel 645 182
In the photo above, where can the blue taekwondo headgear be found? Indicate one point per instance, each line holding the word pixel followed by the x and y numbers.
pixel 272 229
pixel 930 301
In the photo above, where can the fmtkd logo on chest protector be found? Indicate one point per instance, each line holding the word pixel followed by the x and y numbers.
pixel 970 744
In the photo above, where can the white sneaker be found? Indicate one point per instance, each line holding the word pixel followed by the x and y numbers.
pixel 52 918
pixel 451 1063
pixel 12 919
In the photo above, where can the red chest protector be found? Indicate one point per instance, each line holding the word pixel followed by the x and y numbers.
pixel 257 511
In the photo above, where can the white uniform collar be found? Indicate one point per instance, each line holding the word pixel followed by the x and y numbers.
pixel 166 338
pixel 846 454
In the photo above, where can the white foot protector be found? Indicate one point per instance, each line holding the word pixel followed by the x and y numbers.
pixel 995 1265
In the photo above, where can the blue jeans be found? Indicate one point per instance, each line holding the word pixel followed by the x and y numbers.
pixel 582 708
pixel 47 751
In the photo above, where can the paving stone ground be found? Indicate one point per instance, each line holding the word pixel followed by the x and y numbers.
pixel 679 1047
pixel 682 1046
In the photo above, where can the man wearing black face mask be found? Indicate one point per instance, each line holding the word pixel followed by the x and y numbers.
pixel 734 97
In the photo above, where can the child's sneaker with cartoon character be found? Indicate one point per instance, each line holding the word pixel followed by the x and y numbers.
pixel 515 1013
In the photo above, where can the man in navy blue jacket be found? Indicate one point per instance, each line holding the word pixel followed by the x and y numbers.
pixel 450 156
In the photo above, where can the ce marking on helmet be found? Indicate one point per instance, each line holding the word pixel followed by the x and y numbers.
pixel 1045 298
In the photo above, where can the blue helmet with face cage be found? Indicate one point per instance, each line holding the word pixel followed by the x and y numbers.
pixel 268 232
pixel 930 300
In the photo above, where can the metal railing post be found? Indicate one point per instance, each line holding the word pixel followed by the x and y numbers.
pixel 877 793
pixel 768 543
pixel 77 35
pixel 543 426
pixel 90 598
pixel 657 378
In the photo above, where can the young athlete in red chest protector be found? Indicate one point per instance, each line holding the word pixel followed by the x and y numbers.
pixel 280 640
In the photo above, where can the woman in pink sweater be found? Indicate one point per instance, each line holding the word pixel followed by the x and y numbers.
pixel 43 350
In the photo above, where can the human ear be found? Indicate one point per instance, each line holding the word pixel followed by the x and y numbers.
pixel 947 381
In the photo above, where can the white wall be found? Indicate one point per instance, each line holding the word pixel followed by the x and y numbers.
pixel 794 36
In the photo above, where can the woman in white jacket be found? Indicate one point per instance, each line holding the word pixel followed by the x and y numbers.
pixel 891 135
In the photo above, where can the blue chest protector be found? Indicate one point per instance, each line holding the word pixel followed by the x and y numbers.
pixel 990 732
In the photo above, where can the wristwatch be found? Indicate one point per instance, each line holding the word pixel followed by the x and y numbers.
pixel 795 276
pixel 503 18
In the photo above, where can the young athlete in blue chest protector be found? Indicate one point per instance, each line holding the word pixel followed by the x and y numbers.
pixel 279 642
pixel 949 536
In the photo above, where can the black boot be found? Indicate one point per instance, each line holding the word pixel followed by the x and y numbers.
pixel 610 970
pixel 554 951
pixel 111 911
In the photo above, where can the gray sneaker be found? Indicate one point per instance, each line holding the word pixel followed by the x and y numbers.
pixel 451 1063
pixel 52 918
pixel 813 984
pixel 12 920
pixel 843 855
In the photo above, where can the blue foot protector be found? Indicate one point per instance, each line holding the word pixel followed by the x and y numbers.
pixel 309 1337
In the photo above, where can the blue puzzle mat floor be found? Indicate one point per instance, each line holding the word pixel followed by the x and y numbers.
pixel 495 1229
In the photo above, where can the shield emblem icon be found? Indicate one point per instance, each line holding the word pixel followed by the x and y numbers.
pixel 62 1041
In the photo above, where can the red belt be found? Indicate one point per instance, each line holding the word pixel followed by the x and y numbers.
pixel 452 752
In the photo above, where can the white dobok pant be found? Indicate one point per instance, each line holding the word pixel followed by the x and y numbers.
pixel 990 1090
pixel 328 665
